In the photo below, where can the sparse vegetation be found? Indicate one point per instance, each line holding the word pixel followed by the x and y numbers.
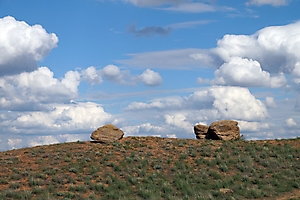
pixel 153 168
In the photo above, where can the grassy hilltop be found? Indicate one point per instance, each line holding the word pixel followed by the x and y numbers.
pixel 153 168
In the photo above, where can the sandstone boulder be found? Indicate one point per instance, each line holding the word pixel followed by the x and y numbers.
pixel 223 130
pixel 107 133
pixel 200 131
pixel 225 190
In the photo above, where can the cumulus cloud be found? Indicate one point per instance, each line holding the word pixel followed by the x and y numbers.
pixel 167 103
pixel 268 2
pixel 22 45
pixel 115 74
pixel 248 126
pixel 151 78
pixel 179 120
pixel 91 75
pixel 149 31
pixel 29 90
pixel 246 73
pixel 219 102
pixel 177 115
pixel 273 47
pixel 238 103
pixel 72 117
pixel 144 130
pixel 261 59
pixel 270 102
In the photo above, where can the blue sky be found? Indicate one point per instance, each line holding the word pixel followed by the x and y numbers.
pixel 151 67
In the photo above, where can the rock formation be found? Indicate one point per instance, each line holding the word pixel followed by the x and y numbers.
pixel 225 190
pixel 219 130
pixel 107 133
pixel 200 131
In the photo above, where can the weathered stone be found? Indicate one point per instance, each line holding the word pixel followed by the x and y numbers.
pixel 200 131
pixel 223 130
pixel 225 190
pixel 107 133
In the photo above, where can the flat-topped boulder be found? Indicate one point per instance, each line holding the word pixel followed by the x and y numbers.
pixel 107 133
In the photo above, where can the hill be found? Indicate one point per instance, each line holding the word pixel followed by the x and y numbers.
pixel 153 168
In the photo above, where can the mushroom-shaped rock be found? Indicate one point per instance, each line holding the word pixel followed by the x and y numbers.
pixel 107 133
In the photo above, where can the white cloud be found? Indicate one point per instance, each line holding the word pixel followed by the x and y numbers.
pixel 43 140
pixel 246 126
pixel 179 120
pixel 114 74
pixel 14 143
pixel 268 2
pixel 22 45
pixel 63 117
pixel 168 103
pixel 143 129
pixel 296 70
pixel 262 59
pixel 238 103
pixel 290 122
pixel 273 47
pixel 91 75
pixel 270 102
pixel 151 78
pixel 177 115
pixel 217 102
pixel 246 73
pixel 29 90
pixel 71 81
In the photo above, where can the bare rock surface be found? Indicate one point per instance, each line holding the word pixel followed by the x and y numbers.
pixel 219 130
pixel 200 131
pixel 107 133
pixel 223 130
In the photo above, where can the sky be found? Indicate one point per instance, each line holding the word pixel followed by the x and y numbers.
pixel 150 67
